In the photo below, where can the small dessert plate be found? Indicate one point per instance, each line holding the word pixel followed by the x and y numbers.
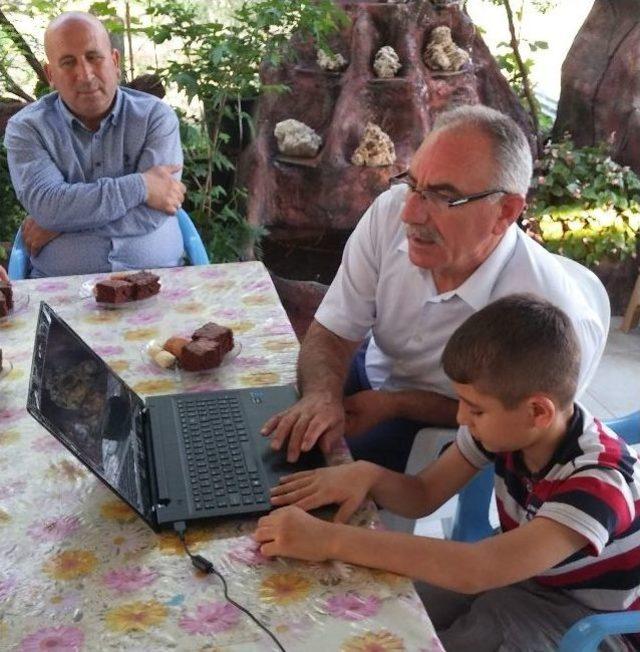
pixel 7 368
pixel 20 304
pixel 87 291
pixel 145 353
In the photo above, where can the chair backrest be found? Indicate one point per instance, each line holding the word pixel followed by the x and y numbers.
pixel 597 298
pixel 19 259
pixel 471 519
pixel 192 241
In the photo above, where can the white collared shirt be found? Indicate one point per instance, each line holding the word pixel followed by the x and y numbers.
pixel 378 288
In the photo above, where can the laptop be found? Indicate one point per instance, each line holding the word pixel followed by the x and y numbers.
pixel 172 458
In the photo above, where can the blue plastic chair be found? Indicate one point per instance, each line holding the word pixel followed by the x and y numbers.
pixel 19 259
pixel 471 523
pixel 197 254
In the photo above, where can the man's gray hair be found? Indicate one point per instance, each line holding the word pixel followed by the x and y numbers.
pixel 511 149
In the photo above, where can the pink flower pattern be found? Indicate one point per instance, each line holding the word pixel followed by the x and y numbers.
pixel 248 552
pixel 108 350
pixel 54 529
pixel 54 639
pixel 7 587
pixel 352 606
pixel 125 580
pixel 46 444
pixel 211 618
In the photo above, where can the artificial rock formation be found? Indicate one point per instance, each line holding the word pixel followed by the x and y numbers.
pixel 331 62
pixel 296 139
pixel 375 148
pixel 386 63
pixel 442 53
pixel 600 96
pixel 310 206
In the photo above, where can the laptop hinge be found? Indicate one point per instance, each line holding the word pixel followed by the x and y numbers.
pixel 156 503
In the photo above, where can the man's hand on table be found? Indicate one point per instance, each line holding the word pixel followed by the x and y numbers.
pixel 316 417
pixel 35 237
pixel 366 409
pixel 291 532
pixel 164 193
pixel 346 485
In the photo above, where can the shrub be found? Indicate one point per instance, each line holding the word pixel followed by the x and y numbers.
pixel 586 206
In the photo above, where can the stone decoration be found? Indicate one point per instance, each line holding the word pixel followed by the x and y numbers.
pixel 375 149
pixel 331 62
pixel 386 63
pixel 296 139
pixel 442 53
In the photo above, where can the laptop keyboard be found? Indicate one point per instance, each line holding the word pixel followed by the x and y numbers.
pixel 222 466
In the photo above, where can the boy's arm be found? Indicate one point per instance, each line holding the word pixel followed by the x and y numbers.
pixel 347 485
pixel 463 567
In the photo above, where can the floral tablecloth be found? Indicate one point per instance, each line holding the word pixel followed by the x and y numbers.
pixel 80 571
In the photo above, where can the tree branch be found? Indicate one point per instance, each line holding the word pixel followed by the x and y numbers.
pixel 526 84
pixel 12 87
pixel 23 47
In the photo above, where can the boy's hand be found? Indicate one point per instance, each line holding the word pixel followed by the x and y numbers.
pixel 346 485
pixel 291 532
pixel 366 409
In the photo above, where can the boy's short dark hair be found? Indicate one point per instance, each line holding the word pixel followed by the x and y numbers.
pixel 515 347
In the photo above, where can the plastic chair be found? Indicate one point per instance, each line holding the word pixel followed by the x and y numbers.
pixel 19 259
pixel 471 523
pixel 197 254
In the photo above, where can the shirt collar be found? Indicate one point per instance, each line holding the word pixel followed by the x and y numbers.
pixel 71 119
pixel 476 290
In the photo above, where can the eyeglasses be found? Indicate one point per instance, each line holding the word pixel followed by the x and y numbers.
pixel 437 199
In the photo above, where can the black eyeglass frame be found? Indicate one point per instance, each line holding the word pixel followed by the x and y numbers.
pixel 405 179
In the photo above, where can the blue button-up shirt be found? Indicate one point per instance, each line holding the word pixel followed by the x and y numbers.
pixel 88 185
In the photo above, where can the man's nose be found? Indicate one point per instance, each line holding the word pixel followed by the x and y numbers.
pixel 84 70
pixel 415 210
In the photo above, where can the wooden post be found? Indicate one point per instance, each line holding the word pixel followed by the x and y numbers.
pixel 632 314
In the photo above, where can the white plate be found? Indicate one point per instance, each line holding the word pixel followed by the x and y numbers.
pixel 148 358
pixel 86 291
pixel 20 304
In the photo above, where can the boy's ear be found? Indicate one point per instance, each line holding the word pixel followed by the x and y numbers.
pixel 542 410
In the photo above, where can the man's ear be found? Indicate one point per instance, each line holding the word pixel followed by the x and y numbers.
pixel 115 56
pixel 511 207
pixel 47 72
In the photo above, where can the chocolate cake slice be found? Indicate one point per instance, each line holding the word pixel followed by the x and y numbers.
pixel 200 354
pixel 113 291
pixel 145 284
pixel 7 292
pixel 217 333
pixel 4 308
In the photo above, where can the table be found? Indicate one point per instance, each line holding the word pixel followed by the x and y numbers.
pixel 80 571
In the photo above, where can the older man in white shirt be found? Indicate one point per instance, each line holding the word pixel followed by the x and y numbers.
pixel 427 254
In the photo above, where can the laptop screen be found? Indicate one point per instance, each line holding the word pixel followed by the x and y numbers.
pixel 76 396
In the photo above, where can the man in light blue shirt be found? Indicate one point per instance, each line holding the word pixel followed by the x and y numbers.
pixel 97 167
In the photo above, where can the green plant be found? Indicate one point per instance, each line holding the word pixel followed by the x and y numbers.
pixel 12 211
pixel 586 206
pixel 218 67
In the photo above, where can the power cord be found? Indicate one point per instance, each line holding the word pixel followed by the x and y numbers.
pixel 204 565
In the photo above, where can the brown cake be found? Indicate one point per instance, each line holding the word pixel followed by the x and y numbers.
pixel 113 291
pixel 4 308
pixel 7 291
pixel 201 354
pixel 0 359
pixel 145 284
pixel 220 334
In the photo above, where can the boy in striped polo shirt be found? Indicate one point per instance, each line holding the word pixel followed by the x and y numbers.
pixel 567 488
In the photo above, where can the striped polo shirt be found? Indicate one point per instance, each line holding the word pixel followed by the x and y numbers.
pixel 591 485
